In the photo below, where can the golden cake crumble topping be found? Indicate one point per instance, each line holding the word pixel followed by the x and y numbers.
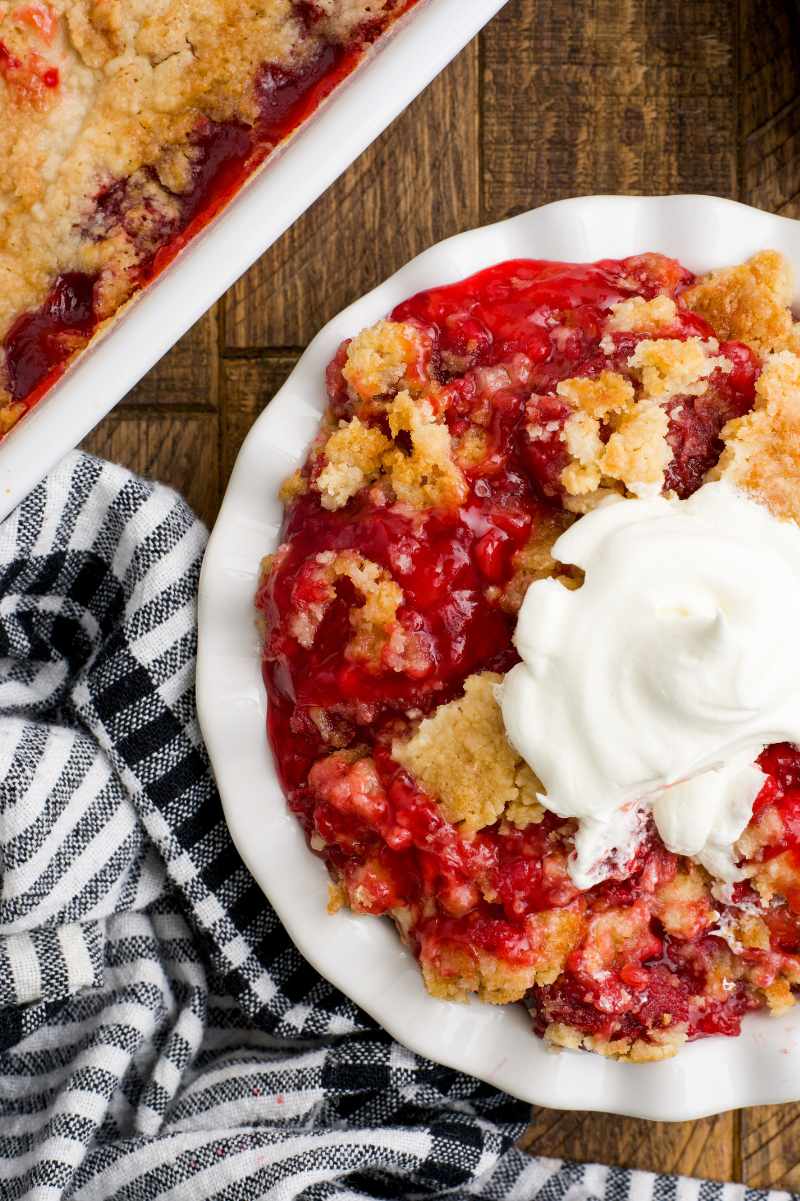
pixel 464 434
pixel 749 302
pixel 613 436
pixel 123 122
pixel 462 756
pixel 638 315
pixel 384 358
pixel 353 455
pixel 619 430
pixel 762 449
pixel 671 367
pixel 409 453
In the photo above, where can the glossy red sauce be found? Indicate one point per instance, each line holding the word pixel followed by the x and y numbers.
pixel 50 334
pixel 542 322
pixel 519 307
pixel 40 344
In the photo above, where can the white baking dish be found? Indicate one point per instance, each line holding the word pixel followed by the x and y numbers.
pixel 364 956
pixel 394 71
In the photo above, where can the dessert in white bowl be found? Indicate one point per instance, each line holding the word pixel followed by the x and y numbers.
pixel 357 952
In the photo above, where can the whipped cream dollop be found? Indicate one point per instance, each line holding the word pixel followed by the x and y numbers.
pixel 654 686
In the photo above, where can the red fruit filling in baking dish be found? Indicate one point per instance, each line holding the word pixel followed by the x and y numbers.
pixel 37 345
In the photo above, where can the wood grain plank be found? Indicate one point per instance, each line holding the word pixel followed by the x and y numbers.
pixel 702 1148
pixel 771 1146
pixel 180 450
pixel 639 98
pixel 769 93
pixel 418 183
pixel 771 163
pixel 627 33
pixel 769 46
pixel 188 373
pixel 615 135
pixel 248 385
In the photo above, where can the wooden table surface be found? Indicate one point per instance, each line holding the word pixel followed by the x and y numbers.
pixel 554 99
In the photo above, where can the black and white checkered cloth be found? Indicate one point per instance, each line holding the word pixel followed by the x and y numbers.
pixel 160 1037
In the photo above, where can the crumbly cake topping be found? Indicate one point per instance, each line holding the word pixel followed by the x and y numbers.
pixel 372 622
pixel 637 452
pixel 104 108
pixel 598 397
pixel 683 905
pixel 354 455
pixel 637 315
pixel 452 972
pixel 662 1044
pixel 613 437
pixel 428 474
pixel 762 449
pixel 382 359
pixel 669 367
pixel 339 19
pixel 462 756
pixel 415 459
pixel 618 433
pixel 749 302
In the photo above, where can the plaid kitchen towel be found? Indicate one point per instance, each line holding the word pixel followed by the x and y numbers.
pixel 160 1037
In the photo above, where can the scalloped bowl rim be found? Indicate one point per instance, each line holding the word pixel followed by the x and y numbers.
pixel 364 957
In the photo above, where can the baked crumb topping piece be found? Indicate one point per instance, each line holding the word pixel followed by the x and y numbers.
pixel 410 452
pixel 354 454
pixel 452 971
pixel 670 367
pixel 384 358
pixel 749 302
pixel 684 904
pixel 634 451
pixel 660 1045
pixel 762 449
pixel 461 755
pixel 618 431
pixel 779 997
pixel 598 397
pixel 423 475
pixel 373 622
pixel 428 475
pixel 637 315
pixel 637 452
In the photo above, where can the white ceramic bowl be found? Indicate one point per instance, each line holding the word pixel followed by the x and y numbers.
pixel 363 956
pixel 393 72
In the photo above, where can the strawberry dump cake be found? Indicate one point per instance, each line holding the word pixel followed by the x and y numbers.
pixel 124 126
pixel 531 643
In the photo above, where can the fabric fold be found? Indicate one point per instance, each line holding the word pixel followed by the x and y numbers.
pixel 51 963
